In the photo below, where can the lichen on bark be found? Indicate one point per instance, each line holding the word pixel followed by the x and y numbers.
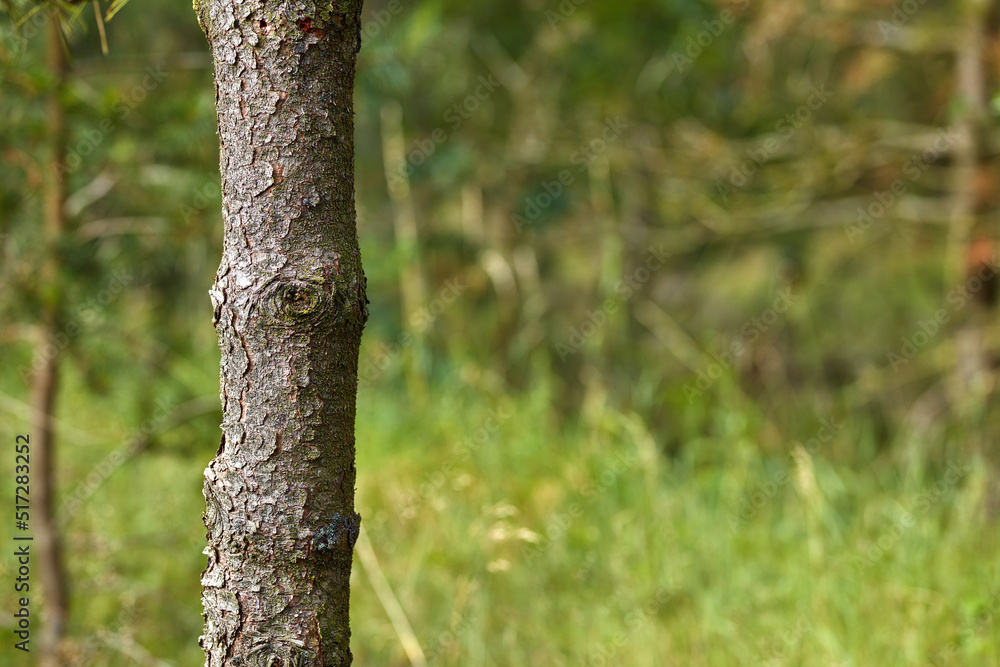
pixel 290 307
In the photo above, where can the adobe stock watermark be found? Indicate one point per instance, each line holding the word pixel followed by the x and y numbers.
pixel 380 19
pixel 447 642
pixel 704 38
pixel 203 196
pixel 581 157
pixel 602 654
pixel 109 464
pixel 461 450
pixel 85 655
pixel 912 344
pixel 85 314
pixel 625 289
pixel 928 329
pixel 93 137
pixel 740 174
pixel 565 9
pixel 17 34
pixel 902 12
pixel 559 523
pixel 884 200
pixel 750 332
pixel 420 322
pixel 894 531
pixel 979 623
pixel 773 651
pixel 753 502
pixel 454 118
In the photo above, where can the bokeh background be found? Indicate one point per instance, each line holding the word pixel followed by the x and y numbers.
pixel 682 346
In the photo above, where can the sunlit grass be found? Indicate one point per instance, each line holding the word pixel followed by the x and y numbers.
pixel 510 540
pixel 588 547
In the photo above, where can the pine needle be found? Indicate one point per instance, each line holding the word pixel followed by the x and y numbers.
pixel 100 28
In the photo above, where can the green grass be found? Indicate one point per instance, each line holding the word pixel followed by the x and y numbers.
pixel 510 540
pixel 588 547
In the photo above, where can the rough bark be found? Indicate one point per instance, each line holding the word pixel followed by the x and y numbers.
pixel 46 382
pixel 290 307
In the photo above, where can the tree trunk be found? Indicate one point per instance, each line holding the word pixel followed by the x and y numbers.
pixel 290 307
pixel 46 382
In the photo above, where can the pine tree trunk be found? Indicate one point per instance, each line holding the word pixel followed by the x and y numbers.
pixel 290 307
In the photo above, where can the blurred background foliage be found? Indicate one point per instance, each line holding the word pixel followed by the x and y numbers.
pixel 775 444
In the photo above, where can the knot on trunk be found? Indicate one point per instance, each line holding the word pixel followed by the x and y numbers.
pixel 297 301
pixel 267 651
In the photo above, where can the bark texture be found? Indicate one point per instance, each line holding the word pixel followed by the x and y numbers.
pixel 290 307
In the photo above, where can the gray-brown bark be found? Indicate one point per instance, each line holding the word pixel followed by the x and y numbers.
pixel 290 307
